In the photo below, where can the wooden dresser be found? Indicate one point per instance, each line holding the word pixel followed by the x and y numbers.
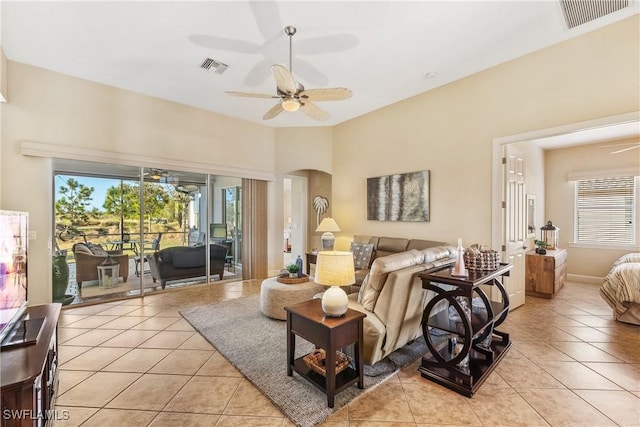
pixel 545 274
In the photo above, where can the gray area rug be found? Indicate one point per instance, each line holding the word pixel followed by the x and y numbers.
pixel 257 346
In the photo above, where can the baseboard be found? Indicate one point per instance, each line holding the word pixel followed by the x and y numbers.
pixel 590 280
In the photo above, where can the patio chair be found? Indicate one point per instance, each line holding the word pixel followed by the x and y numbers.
pixel 196 238
pixel 89 257
pixel 147 249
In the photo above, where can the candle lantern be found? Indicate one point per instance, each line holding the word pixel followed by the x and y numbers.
pixel 108 273
pixel 549 234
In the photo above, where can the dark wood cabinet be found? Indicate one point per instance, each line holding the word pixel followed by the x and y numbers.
pixel 29 374
pixel 545 274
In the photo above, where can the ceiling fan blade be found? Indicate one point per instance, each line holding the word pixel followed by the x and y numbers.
pixel 326 44
pixel 223 43
pixel 284 79
pixel 267 16
pixel 273 112
pixel 313 111
pixel 625 149
pixel 310 73
pixel 258 74
pixel 250 95
pixel 328 94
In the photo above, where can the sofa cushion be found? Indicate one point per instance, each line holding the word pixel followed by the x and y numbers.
pixel 96 249
pixel 189 258
pixel 420 244
pixel 361 254
pixel 390 245
pixel 381 267
pixel 436 253
pixel 81 247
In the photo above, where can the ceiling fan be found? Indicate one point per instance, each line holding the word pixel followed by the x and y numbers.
pixel 269 24
pixel 292 95
pixel 162 175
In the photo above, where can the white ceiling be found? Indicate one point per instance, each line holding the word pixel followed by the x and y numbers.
pixel 382 51
pixel 601 134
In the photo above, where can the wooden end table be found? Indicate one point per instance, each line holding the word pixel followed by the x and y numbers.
pixel 312 258
pixel 307 320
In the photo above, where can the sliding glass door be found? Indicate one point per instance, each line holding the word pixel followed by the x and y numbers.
pixel 123 231
pixel 96 239
pixel 225 226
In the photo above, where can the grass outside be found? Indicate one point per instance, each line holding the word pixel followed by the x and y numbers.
pixel 105 231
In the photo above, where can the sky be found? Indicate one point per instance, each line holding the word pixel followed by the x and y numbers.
pixel 100 186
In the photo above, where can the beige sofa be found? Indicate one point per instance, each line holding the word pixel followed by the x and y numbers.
pixel 383 246
pixel 392 297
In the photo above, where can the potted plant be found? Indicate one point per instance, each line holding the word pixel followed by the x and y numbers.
pixel 293 270
pixel 541 247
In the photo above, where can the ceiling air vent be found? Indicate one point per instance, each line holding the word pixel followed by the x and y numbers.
pixel 209 64
pixel 578 12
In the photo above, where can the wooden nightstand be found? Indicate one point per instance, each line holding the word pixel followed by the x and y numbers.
pixel 545 274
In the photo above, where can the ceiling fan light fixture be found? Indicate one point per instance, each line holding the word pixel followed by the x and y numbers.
pixel 290 104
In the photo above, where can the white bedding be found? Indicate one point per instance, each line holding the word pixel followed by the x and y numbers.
pixel 621 288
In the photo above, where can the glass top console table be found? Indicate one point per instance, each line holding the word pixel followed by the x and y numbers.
pixel 459 325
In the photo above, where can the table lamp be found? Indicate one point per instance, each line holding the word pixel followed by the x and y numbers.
pixel 335 269
pixel 328 226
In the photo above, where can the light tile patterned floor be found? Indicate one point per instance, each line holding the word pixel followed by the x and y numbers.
pixel 137 363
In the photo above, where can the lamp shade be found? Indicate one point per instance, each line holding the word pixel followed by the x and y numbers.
pixel 328 226
pixel 335 269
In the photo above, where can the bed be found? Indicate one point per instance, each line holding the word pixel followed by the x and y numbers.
pixel 621 288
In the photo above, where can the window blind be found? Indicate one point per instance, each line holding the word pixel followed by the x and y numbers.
pixel 605 210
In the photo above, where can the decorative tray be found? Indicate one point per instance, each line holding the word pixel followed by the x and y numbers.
pixel 316 361
pixel 293 280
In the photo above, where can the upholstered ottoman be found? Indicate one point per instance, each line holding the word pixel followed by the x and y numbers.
pixel 275 296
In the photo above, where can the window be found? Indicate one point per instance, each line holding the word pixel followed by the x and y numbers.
pixel 605 210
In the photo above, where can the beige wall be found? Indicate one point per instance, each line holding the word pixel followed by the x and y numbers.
pixel 560 201
pixel 319 185
pixel 51 108
pixel 298 151
pixel 450 130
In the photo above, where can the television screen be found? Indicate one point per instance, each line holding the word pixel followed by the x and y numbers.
pixel 13 268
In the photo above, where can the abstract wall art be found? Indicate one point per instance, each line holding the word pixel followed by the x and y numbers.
pixel 399 197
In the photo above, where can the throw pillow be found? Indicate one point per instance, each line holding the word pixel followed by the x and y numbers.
pixel 96 249
pixel 361 254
